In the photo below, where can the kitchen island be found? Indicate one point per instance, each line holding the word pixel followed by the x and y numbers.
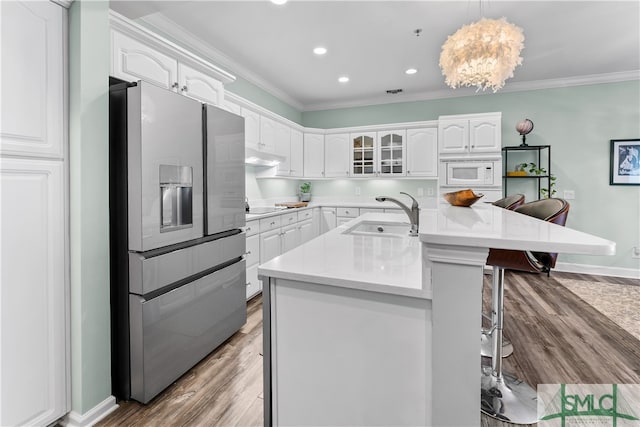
pixel 365 325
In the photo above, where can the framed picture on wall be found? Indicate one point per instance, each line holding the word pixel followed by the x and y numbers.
pixel 625 162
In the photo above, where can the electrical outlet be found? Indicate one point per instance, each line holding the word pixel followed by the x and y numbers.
pixel 430 191
pixel 635 252
pixel 420 192
pixel 357 191
pixel 569 194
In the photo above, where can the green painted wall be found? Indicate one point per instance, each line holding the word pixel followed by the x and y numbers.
pixel 89 54
pixel 577 122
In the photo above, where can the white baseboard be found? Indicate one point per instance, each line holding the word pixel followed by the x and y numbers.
pixel 92 416
pixel 567 267
pixel 598 270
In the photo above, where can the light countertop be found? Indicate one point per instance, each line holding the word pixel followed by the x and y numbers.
pixel 487 226
pixel 393 264
pixel 388 264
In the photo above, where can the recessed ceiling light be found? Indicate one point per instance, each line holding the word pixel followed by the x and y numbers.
pixel 343 79
pixel 320 50
pixel 278 2
pixel 411 71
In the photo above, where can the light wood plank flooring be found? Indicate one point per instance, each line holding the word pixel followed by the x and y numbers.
pixel 558 338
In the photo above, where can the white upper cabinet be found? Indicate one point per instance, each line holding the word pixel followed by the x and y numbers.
pixel 454 135
pixel 132 60
pixel 267 134
pixel 313 155
pixel 138 54
pixel 470 134
pixel 232 107
pixel 32 79
pixel 422 152
pixel 485 135
pixel 251 128
pixel 200 86
pixel 391 153
pixel 296 160
pixel 336 155
pixel 283 148
pixel 363 154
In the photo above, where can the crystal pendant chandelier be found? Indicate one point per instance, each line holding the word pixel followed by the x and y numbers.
pixel 482 54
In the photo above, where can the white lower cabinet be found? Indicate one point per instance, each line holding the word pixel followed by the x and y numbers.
pixel 345 215
pixel 307 231
pixel 252 257
pixel 328 219
pixel 269 245
pixel 33 294
pixel 290 238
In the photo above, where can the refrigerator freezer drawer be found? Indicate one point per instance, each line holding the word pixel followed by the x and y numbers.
pixel 148 274
pixel 173 332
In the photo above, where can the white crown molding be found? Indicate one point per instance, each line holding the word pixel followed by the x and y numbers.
pixel 92 416
pixel 457 93
pixel 158 22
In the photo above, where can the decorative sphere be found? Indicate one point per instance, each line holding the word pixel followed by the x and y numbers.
pixel 524 127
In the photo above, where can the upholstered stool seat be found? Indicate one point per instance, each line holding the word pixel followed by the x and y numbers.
pixel 504 396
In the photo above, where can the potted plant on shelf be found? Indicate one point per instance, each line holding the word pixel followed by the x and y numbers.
pixel 518 170
pixel 540 171
pixel 305 192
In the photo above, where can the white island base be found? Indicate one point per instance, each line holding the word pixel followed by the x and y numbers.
pixel 363 329
pixel 348 357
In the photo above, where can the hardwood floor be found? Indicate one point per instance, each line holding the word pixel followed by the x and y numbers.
pixel 558 338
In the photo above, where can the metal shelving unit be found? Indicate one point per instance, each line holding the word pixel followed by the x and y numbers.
pixel 538 150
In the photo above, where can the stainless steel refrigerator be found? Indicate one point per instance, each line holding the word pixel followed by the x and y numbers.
pixel 176 211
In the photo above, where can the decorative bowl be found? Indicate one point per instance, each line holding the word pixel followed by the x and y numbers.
pixel 464 198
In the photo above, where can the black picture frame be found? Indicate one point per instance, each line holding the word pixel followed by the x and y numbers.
pixel 624 162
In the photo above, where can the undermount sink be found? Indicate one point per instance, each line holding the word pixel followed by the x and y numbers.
pixel 379 228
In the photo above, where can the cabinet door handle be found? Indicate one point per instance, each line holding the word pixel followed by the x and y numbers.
pixel 273 223
pixel 248 284
pixel 174 85
pixel 248 253
pixel 248 229
pixel 184 88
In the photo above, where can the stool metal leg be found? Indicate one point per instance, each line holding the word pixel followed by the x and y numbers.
pixel 486 342
pixel 503 396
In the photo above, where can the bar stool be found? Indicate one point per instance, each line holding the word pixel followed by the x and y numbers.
pixel 486 346
pixel 503 396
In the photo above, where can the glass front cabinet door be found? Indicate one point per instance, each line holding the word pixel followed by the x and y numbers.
pixel 391 152
pixel 363 154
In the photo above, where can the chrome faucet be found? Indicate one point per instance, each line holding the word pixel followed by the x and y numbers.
pixel 413 213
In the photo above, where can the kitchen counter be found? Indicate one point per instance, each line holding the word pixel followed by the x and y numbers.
pixel 388 264
pixel 345 313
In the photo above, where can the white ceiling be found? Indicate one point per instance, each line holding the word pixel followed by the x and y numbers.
pixel 373 42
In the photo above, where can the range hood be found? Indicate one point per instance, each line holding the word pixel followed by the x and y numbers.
pixel 260 158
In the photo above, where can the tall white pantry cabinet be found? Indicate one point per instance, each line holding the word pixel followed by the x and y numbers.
pixel 34 337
